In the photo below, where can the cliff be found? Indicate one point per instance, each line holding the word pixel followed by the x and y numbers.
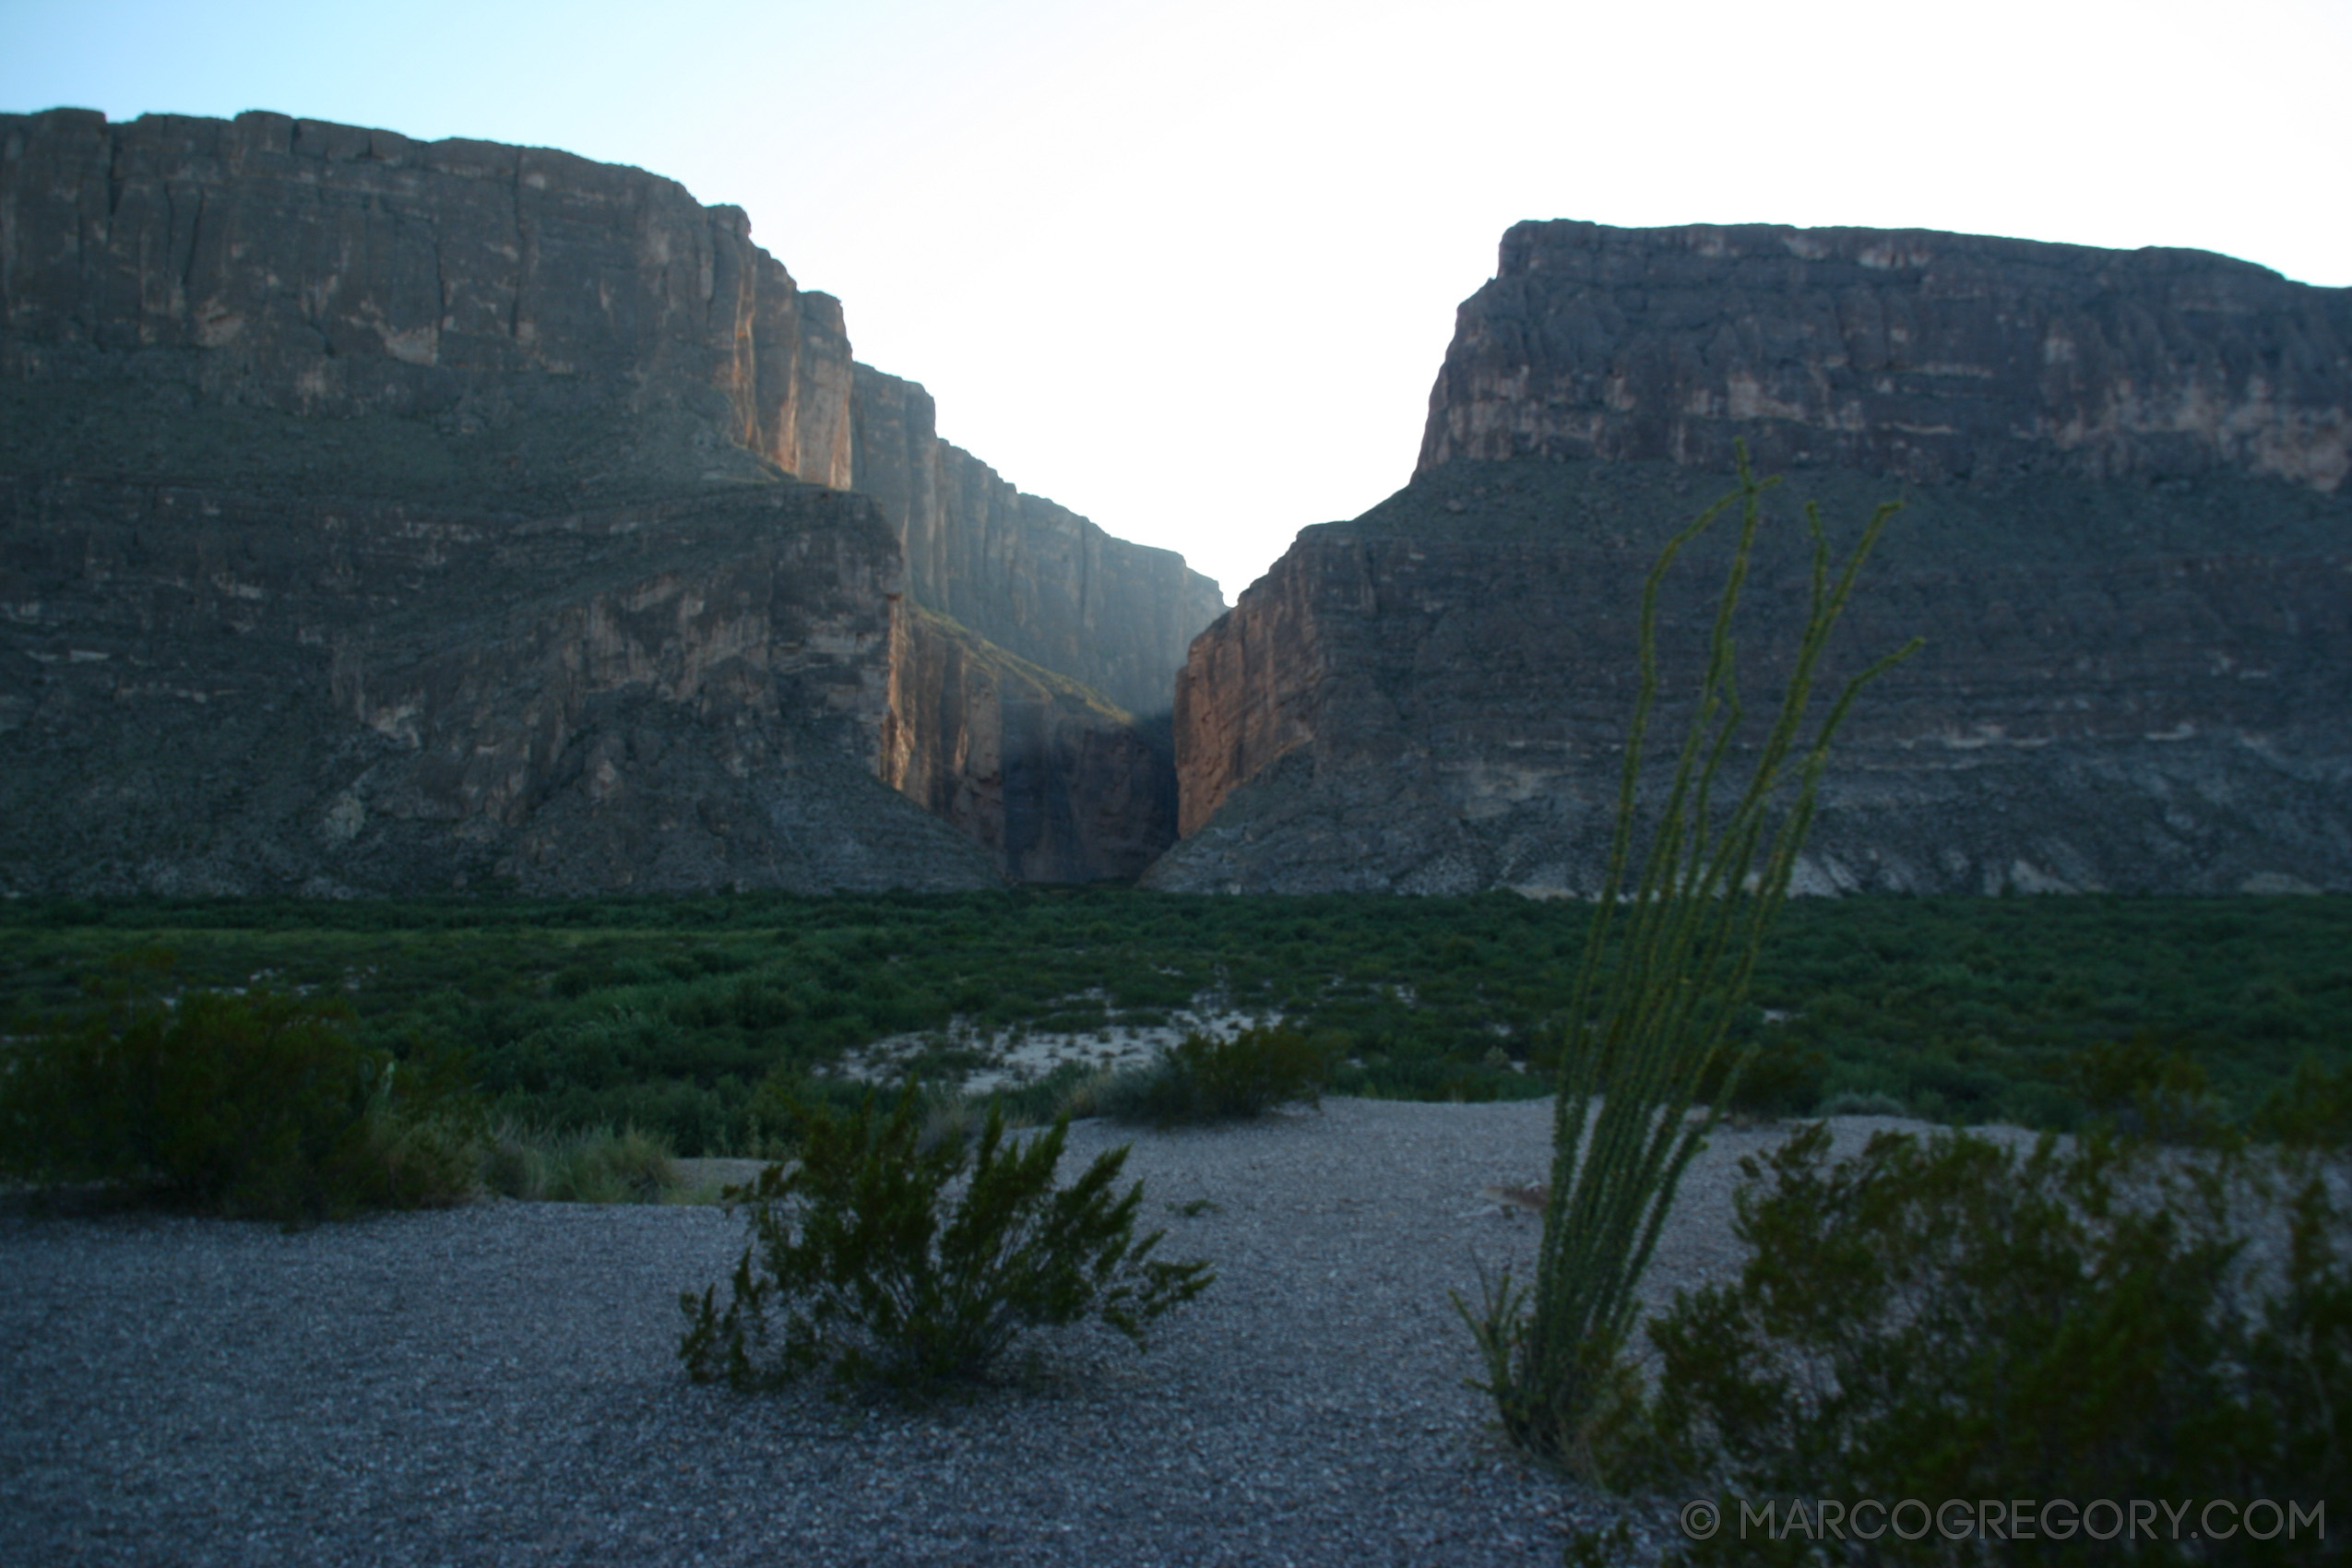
pixel 2138 663
pixel 330 270
pixel 1035 579
pixel 1918 355
pixel 1056 784
pixel 379 516
pixel 208 690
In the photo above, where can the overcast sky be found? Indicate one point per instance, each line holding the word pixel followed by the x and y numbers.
pixel 1189 268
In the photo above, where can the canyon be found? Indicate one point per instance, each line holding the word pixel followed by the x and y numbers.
pixel 2126 543
pixel 384 516
pixel 380 515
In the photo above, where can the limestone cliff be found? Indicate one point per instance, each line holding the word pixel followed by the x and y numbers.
pixel 2138 663
pixel 377 516
pixel 1921 355
pixel 328 270
pixel 1055 783
pixel 1035 579
pixel 208 690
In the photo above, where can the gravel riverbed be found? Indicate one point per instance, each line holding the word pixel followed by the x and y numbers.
pixel 499 1383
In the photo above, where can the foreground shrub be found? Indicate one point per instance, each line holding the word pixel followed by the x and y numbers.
pixel 257 1105
pixel 875 1261
pixel 1203 1078
pixel 1956 1319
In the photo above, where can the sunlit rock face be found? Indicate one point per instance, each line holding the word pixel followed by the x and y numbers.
pixel 2138 670
pixel 1909 354
pixel 388 517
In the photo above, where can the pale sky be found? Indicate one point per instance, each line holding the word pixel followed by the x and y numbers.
pixel 1189 267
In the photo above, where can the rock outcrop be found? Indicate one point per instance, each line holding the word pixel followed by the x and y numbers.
pixel 384 516
pixel 1917 355
pixel 1035 579
pixel 2138 663
pixel 330 270
pixel 1058 785
pixel 217 691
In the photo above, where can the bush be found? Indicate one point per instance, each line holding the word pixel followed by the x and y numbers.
pixel 2143 1090
pixel 865 1265
pixel 1956 1319
pixel 1203 1078
pixel 255 1105
pixel 2312 1111
pixel 593 1165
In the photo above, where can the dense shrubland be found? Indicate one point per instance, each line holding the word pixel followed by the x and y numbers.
pixel 669 1015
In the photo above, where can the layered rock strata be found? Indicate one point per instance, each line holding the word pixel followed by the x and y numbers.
pixel 383 515
pixel 212 690
pixel 1033 578
pixel 328 270
pixel 1909 354
pixel 2138 663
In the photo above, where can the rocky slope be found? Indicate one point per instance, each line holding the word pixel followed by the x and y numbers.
pixel 378 516
pixel 2138 663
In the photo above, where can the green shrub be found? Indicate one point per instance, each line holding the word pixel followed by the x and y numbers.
pixel 252 1105
pixel 594 1165
pixel 1957 1319
pixel 1779 1078
pixel 868 1262
pixel 1203 1078
pixel 2141 1090
pixel 1863 1103
pixel 2313 1110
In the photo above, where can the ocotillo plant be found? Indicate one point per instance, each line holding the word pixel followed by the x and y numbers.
pixel 1651 1008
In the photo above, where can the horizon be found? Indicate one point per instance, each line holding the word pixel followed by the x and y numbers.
pixel 1252 256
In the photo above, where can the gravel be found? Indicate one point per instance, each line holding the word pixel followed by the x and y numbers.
pixel 499 1383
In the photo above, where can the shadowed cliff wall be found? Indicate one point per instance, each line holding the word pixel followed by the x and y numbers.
pixel 440 494
pixel 1055 783
pixel 2127 548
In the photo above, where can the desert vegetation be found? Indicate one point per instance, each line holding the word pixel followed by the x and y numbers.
pixel 669 1015
pixel 1646 1044
pixel 1952 1317
pixel 882 1262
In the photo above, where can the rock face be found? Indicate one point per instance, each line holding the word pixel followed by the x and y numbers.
pixel 2138 663
pixel 1035 579
pixel 1912 354
pixel 1057 785
pixel 327 269
pixel 216 691
pixel 384 516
